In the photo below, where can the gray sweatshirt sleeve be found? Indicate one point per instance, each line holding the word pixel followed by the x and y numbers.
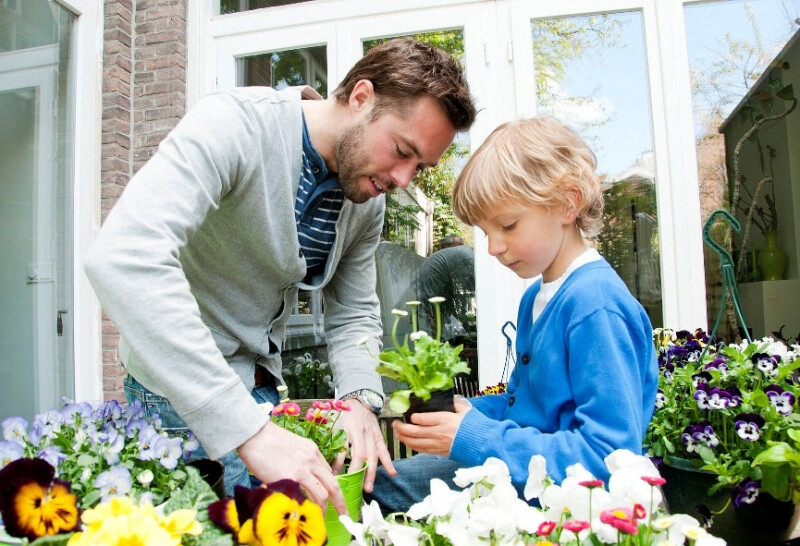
pixel 136 273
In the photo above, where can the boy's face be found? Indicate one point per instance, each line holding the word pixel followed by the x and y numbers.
pixel 529 239
pixel 380 155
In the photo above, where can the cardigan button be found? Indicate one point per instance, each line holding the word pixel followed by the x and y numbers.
pixel 511 401
pixel 525 358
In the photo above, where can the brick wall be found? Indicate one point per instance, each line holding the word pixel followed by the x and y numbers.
pixel 144 96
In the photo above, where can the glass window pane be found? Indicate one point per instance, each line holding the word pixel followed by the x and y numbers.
pixel 36 150
pixel 730 45
pixel 279 69
pixel 591 73
pixel 233 6
pixel 419 222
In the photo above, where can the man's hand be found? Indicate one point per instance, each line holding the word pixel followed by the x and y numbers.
pixel 432 432
pixel 275 454
pixel 366 443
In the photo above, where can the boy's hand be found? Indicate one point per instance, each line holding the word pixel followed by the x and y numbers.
pixel 432 432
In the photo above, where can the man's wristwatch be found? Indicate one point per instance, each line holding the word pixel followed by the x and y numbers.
pixel 371 399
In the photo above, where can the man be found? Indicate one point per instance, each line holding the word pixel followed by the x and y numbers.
pixel 254 195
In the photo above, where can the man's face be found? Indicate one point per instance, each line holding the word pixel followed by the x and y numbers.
pixel 377 156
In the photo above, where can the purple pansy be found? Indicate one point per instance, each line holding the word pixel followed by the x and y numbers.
pixel 718 399
pixel 701 396
pixel 9 451
pixel 745 493
pixel 14 429
pixel 766 363
pixel 782 399
pixel 748 426
pixel 114 482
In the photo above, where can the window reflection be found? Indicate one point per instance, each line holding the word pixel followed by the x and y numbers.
pixel 730 45
pixel 591 73
pixel 279 69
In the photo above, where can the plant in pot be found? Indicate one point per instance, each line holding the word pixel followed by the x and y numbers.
pixel 719 408
pixel 425 364
pixel 318 423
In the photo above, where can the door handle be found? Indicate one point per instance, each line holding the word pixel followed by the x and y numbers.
pixel 60 321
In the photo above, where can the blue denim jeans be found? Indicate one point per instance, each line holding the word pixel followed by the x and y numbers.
pixel 235 471
pixel 412 483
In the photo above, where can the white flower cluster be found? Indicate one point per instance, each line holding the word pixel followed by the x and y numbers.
pixel 579 511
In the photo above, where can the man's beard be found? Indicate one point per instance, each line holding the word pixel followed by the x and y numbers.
pixel 351 161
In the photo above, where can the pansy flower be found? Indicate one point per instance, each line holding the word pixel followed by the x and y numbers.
pixel 33 503
pixel 748 426
pixel 701 396
pixel 780 398
pixel 766 363
pixel 660 400
pixel 14 429
pixel 9 451
pixel 286 517
pixel 114 482
pixel 718 399
pixel 745 493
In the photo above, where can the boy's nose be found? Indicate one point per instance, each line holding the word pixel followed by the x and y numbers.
pixel 496 247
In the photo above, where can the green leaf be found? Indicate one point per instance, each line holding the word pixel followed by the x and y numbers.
pixel 398 402
pixel 775 481
pixel 767 104
pixel 195 494
pixel 787 93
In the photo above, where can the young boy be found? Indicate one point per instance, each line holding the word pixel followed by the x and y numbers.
pixel 585 379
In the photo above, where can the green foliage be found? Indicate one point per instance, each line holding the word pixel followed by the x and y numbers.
pixel 307 377
pixel 196 494
pixel 623 201
pixel 728 408
pixel 427 365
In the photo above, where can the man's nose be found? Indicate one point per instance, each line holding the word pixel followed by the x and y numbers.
pixel 404 173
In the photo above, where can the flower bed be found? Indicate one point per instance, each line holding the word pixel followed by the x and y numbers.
pixel 730 409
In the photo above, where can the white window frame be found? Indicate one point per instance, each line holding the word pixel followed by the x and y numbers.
pixel 85 81
pixel 501 29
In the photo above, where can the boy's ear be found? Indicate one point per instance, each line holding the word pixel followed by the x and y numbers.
pixel 571 207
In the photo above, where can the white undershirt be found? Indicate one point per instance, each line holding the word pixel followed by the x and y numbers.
pixel 549 289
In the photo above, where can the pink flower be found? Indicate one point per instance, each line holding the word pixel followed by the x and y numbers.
pixel 654 480
pixel 340 405
pixel 545 528
pixel 286 408
pixel 574 525
pixel 639 511
pixel 322 405
pixel 620 518
pixel 591 484
pixel 316 416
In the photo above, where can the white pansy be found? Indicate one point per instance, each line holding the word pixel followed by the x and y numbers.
pixel 440 502
pixel 680 522
pixel 537 477
pixel 493 471
pixel 402 535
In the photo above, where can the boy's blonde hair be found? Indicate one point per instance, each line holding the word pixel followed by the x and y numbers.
pixel 539 161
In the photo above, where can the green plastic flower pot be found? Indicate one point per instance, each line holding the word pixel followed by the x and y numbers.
pixel 352 485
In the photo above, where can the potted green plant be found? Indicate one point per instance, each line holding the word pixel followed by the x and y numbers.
pixel 719 408
pixel 318 423
pixel 425 364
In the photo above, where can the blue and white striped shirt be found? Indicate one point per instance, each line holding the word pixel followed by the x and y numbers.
pixel 316 208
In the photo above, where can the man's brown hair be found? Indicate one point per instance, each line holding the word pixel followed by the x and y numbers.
pixel 402 70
